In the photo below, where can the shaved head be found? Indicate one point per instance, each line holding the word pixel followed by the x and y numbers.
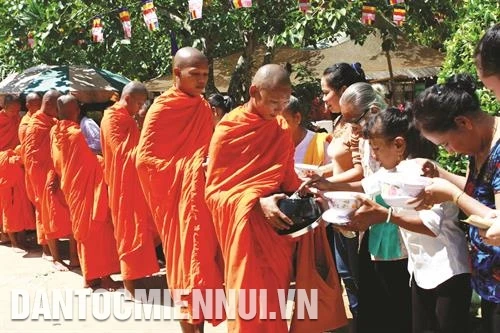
pixel 189 57
pixel 271 77
pixel 134 95
pixel 68 108
pixel 134 87
pixel 33 102
pixel 49 102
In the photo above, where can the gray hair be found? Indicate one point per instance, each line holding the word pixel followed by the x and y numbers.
pixel 362 97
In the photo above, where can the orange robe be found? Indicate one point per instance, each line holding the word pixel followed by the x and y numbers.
pixel 23 126
pixel 134 226
pixel 8 131
pixel 251 158
pixel 54 212
pixel 82 182
pixel 173 146
pixel 16 210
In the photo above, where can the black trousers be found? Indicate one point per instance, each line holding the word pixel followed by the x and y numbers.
pixel 490 313
pixel 384 294
pixel 444 309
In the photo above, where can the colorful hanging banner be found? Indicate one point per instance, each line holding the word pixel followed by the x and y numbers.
pixel 241 3
pixel 31 39
pixel 395 2
pixel 368 14
pixel 304 6
pixel 97 30
pixel 195 9
pixel 399 16
pixel 149 13
pixel 126 24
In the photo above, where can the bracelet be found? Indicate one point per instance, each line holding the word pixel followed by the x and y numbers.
pixel 455 199
pixel 389 215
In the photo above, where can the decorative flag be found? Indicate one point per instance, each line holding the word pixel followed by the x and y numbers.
pixel 126 24
pixel 31 39
pixel 304 6
pixel 195 9
pixel 399 16
pixel 395 2
pixel 241 3
pixel 173 44
pixel 149 13
pixel 368 14
pixel 97 33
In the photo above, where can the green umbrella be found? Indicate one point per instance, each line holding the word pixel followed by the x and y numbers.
pixel 89 85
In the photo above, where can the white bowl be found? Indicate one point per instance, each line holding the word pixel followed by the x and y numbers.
pixel 343 203
pixel 397 188
pixel 303 169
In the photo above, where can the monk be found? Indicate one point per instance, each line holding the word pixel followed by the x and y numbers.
pixel 33 104
pixel 15 208
pixel 134 227
pixel 49 199
pixel 174 144
pixel 82 181
pixel 250 166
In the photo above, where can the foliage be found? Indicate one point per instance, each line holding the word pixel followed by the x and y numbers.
pixel 475 17
pixel 59 25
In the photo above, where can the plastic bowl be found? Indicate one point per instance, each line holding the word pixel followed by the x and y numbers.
pixel 342 203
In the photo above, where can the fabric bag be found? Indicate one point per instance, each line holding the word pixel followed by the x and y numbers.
pixel 316 270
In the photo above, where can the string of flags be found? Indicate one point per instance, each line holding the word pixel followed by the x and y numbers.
pixel 195 7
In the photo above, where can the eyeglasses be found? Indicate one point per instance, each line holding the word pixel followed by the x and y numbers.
pixel 357 120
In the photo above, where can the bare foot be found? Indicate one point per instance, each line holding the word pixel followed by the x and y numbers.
pixel 47 257
pixel 94 283
pixel 109 284
pixel 60 266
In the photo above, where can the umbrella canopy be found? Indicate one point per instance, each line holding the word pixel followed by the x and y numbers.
pixel 88 85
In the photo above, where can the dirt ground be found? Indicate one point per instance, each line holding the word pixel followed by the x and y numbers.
pixel 33 274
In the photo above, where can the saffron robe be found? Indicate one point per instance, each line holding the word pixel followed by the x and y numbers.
pixel 16 210
pixel 23 126
pixel 251 158
pixel 174 144
pixel 134 226
pixel 54 212
pixel 82 182
pixel 8 131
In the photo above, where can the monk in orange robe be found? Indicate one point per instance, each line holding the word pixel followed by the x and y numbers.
pixel 15 208
pixel 49 199
pixel 82 181
pixel 33 104
pixel 135 232
pixel 174 144
pixel 250 166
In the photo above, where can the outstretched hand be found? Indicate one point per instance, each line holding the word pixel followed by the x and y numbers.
pixel 429 168
pixel 491 236
pixel 438 191
pixel 274 216
pixel 367 214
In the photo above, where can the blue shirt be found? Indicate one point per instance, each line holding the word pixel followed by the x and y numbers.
pixel 485 258
pixel 92 134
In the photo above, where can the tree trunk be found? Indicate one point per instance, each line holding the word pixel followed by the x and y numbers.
pixel 241 79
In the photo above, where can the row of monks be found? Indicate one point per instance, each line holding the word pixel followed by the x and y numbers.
pixel 152 185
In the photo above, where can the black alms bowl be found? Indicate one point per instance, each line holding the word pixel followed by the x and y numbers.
pixel 304 212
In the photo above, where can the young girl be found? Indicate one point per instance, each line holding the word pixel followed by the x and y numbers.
pixel 437 250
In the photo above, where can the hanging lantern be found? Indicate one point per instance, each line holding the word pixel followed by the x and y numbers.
pixel 31 39
pixel 368 14
pixel 195 9
pixel 399 16
pixel 149 14
pixel 395 2
pixel 241 3
pixel 304 6
pixel 126 24
pixel 97 30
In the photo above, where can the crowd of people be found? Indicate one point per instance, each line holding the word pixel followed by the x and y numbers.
pixel 203 179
